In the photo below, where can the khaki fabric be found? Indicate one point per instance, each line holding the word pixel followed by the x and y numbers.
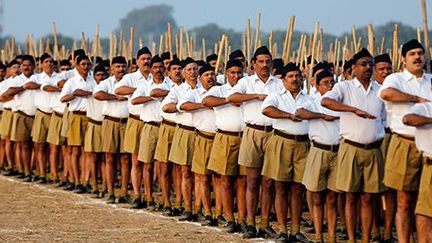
pixel 253 147
pixel 67 117
pixel 182 147
pixel 40 127
pixel 132 133
pixel 21 127
pixel 6 123
pixel 149 138
pixel 164 141
pixel 54 130
pixel 93 138
pixel 201 155
pixel 113 136
pixel 224 155
pixel 424 200
pixel 77 129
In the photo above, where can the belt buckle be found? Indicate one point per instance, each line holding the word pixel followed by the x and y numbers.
pixel 267 128
pixel 333 148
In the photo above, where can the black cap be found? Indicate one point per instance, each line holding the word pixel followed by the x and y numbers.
pixel 99 68
pixel 78 52
pixel 233 63
pixel 382 58
pixel 236 54
pixel 200 63
pixel 96 59
pixel 81 57
pixel 211 57
pixel 324 74
pixel 205 68
pixel 187 61
pixel 65 62
pixel 166 55
pixel 411 44
pixel 290 67
pixel 44 56
pixel 29 58
pixel 362 53
pixel 2 66
pixel 348 65
pixel 277 63
pixel 105 63
pixel 155 59
pixel 263 50
pixel 119 59
pixel 142 51
pixel 309 60
pixel 175 62
pixel 13 62
pixel 320 66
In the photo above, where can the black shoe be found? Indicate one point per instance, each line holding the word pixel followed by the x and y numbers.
pixel 305 223
pixel 69 186
pixel 167 211
pixel 111 199
pixel 27 179
pixel 310 230
pixel 151 206
pixel 35 178
pixel 94 194
pixel 272 217
pixel 42 181
pixel 199 217
pixel 243 226
pixel 88 188
pixel 124 199
pixel 208 221
pixel 230 227
pixel 299 237
pixel 343 235
pixel 267 233
pixel 20 175
pixel 282 238
pixel 80 189
pixel 220 220
pixel 176 212
pixel 60 183
pixel 136 203
pixel 250 233
pixel 9 172
pixel 186 216
pixel 391 240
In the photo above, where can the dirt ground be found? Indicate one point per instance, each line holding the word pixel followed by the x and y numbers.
pixel 34 213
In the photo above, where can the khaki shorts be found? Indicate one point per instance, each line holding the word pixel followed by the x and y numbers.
pixel 321 170
pixel 165 138
pixel 21 127
pixel 133 133
pixel 40 127
pixel 285 159
pixel 424 201
pixel 253 147
pixel 93 137
pixel 359 170
pixel 201 155
pixel 149 138
pixel 113 136
pixel 77 129
pixel 385 145
pixel 66 121
pixel 54 130
pixel 6 123
pixel 224 155
pixel 182 147
pixel 403 165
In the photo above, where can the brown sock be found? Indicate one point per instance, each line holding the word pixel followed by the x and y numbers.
pixel 295 229
pixel 177 204
pixel 250 222
pixel 264 223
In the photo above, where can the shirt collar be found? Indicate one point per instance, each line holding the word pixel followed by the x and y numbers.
pixel 256 78
pixel 372 85
pixel 410 77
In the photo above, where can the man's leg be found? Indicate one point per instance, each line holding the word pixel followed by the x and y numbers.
pixel 2 153
pixel 241 198
pixel 206 198
pixel 366 215
pixel 197 194
pixel 148 185
pixel 331 206
pixel 389 213
pixel 125 169
pixel 53 160
pixel 186 187
pixel 110 171
pixel 74 164
pixel 217 189
pixel 318 199
pixel 424 228
pixel 136 176
pixel 26 156
pixel 165 183
pixel 406 202
pixel 351 214
pixel 40 149
pixel 266 201
pixel 177 178
pixel 253 176
pixel 9 153
pixel 297 198
pixel 281 205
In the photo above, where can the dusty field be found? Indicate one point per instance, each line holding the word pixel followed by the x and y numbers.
pixel 33 213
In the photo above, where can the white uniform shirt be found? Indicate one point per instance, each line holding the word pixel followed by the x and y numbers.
pixel 151 111
pixel 321 131
pixel 133 80
pixel 253 85
pixel 24 101
pixel 78 82
pixel 5 85
pixel 95 107
pixel 227 117
pixel 66 75
pixel 3 88
pixel 43 98
pixel 353 127
pixel 112 108
pixel 407 83
pixel 423 134
pixel 54 102
pixel 165 115
pixel 176 94
pixel 284 101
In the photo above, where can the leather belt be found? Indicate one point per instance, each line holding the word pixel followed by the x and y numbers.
pixel 135 117
pixel 116 119
pixel 153 123
pixel 95 122
pixel 368 146
pixel 331 148
pixel 234 134
pixel 298 138
pixel 46 113
pixel 387 130
pixel 428 160
pixel 7 109
pixel 169 123
pixel 58 114
pixel 259 127
pixel 207 136
pixel 186 127
pixel 24 114
pixel 81 113
pixel 405 137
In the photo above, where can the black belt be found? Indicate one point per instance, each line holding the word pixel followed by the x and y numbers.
pixel 81 113
pixel 428 160
pixel 7 109
pixel 46 113
pixel 368 146
pixel 405 137
pixel 331 148
pixel 58 114
pixel 116 119
pixel 387 130
pixel 169 123
pixel 234 134
pixel 24 114
pixel 186 127
pixel 205 135
pixel 153 123
pixel 135 117
pixel 298 138
pixel 95 122
pixel 259 127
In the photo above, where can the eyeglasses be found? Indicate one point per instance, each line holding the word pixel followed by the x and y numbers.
pixel 364 64
pixel 327 83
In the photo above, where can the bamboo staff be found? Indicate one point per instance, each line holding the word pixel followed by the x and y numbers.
pixel 41 45
pixel 244 43
pixel 288 39
pixel 257 32
pixel 177 46
pixel 219 58
pixel 395 46
pixel 426 34
pixel 153 47
pixel 203 46
pixel 140 44
pixel 83 42
pixel 248 37
pixel 314 40
pixel 419 35
pixel 131 43
pixel 181 43
pixel 161 41
pixel 120 45
pixel 169 39
pixel 275 49
pixel 382 45
pixel 270 42
pixel 371 39
pixel 337 58
pixel 54 28
pixel 111 46
pixel 226 51
pixel 12 48
pixel 354 38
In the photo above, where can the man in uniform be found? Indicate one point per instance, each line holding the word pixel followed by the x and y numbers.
pixel 360 164
pixel 251 91
pixel 403 163
pixel 115 113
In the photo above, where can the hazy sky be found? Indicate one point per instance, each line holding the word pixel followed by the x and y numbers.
pixel 335 16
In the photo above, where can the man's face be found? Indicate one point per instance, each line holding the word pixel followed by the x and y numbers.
pixel 213 63
pixel 175 73
pixel 414 60
pixel 382 70
pixel 64 68
pixel 118 70
pixel 363 68
pixel 325 85
pixel 207 79
pixel 190 72
pixel 83 66
pixel 233 75
pixel 99 76
pixel 143 62
pixel 48 65
pixel 242 60
pixel 166 62
pixel 133 68
pixel 15 70
pixel 27 68
pixel 262 65
pixel 293 81
pixel 157 70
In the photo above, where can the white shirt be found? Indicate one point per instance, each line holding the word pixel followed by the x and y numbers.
pixel 423 134
pixel 176 94
pixel 407 83
pixel 151 110
pixel 54 102
pixel 165 115
pixel 284 101
pixel 112 108
pixel 133 80
pixel 321 131
pixel 220 78
pixel 4 86
pixel 24 101
pixel 66 75
pixel 78 82
pixel 95 108
pixel 43 98
pixel 227 117
pixel 253 85
pixel 353 127
pixel 203 119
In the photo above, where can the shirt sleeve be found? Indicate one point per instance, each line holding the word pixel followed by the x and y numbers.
pixel 67 88
pixel 390 81
pixel 190 97
pixel 337 93
pixel 418 109
pixel 123 82
pixel 102 86
pixel 140 91
pixel 240 87
pixel 270 100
